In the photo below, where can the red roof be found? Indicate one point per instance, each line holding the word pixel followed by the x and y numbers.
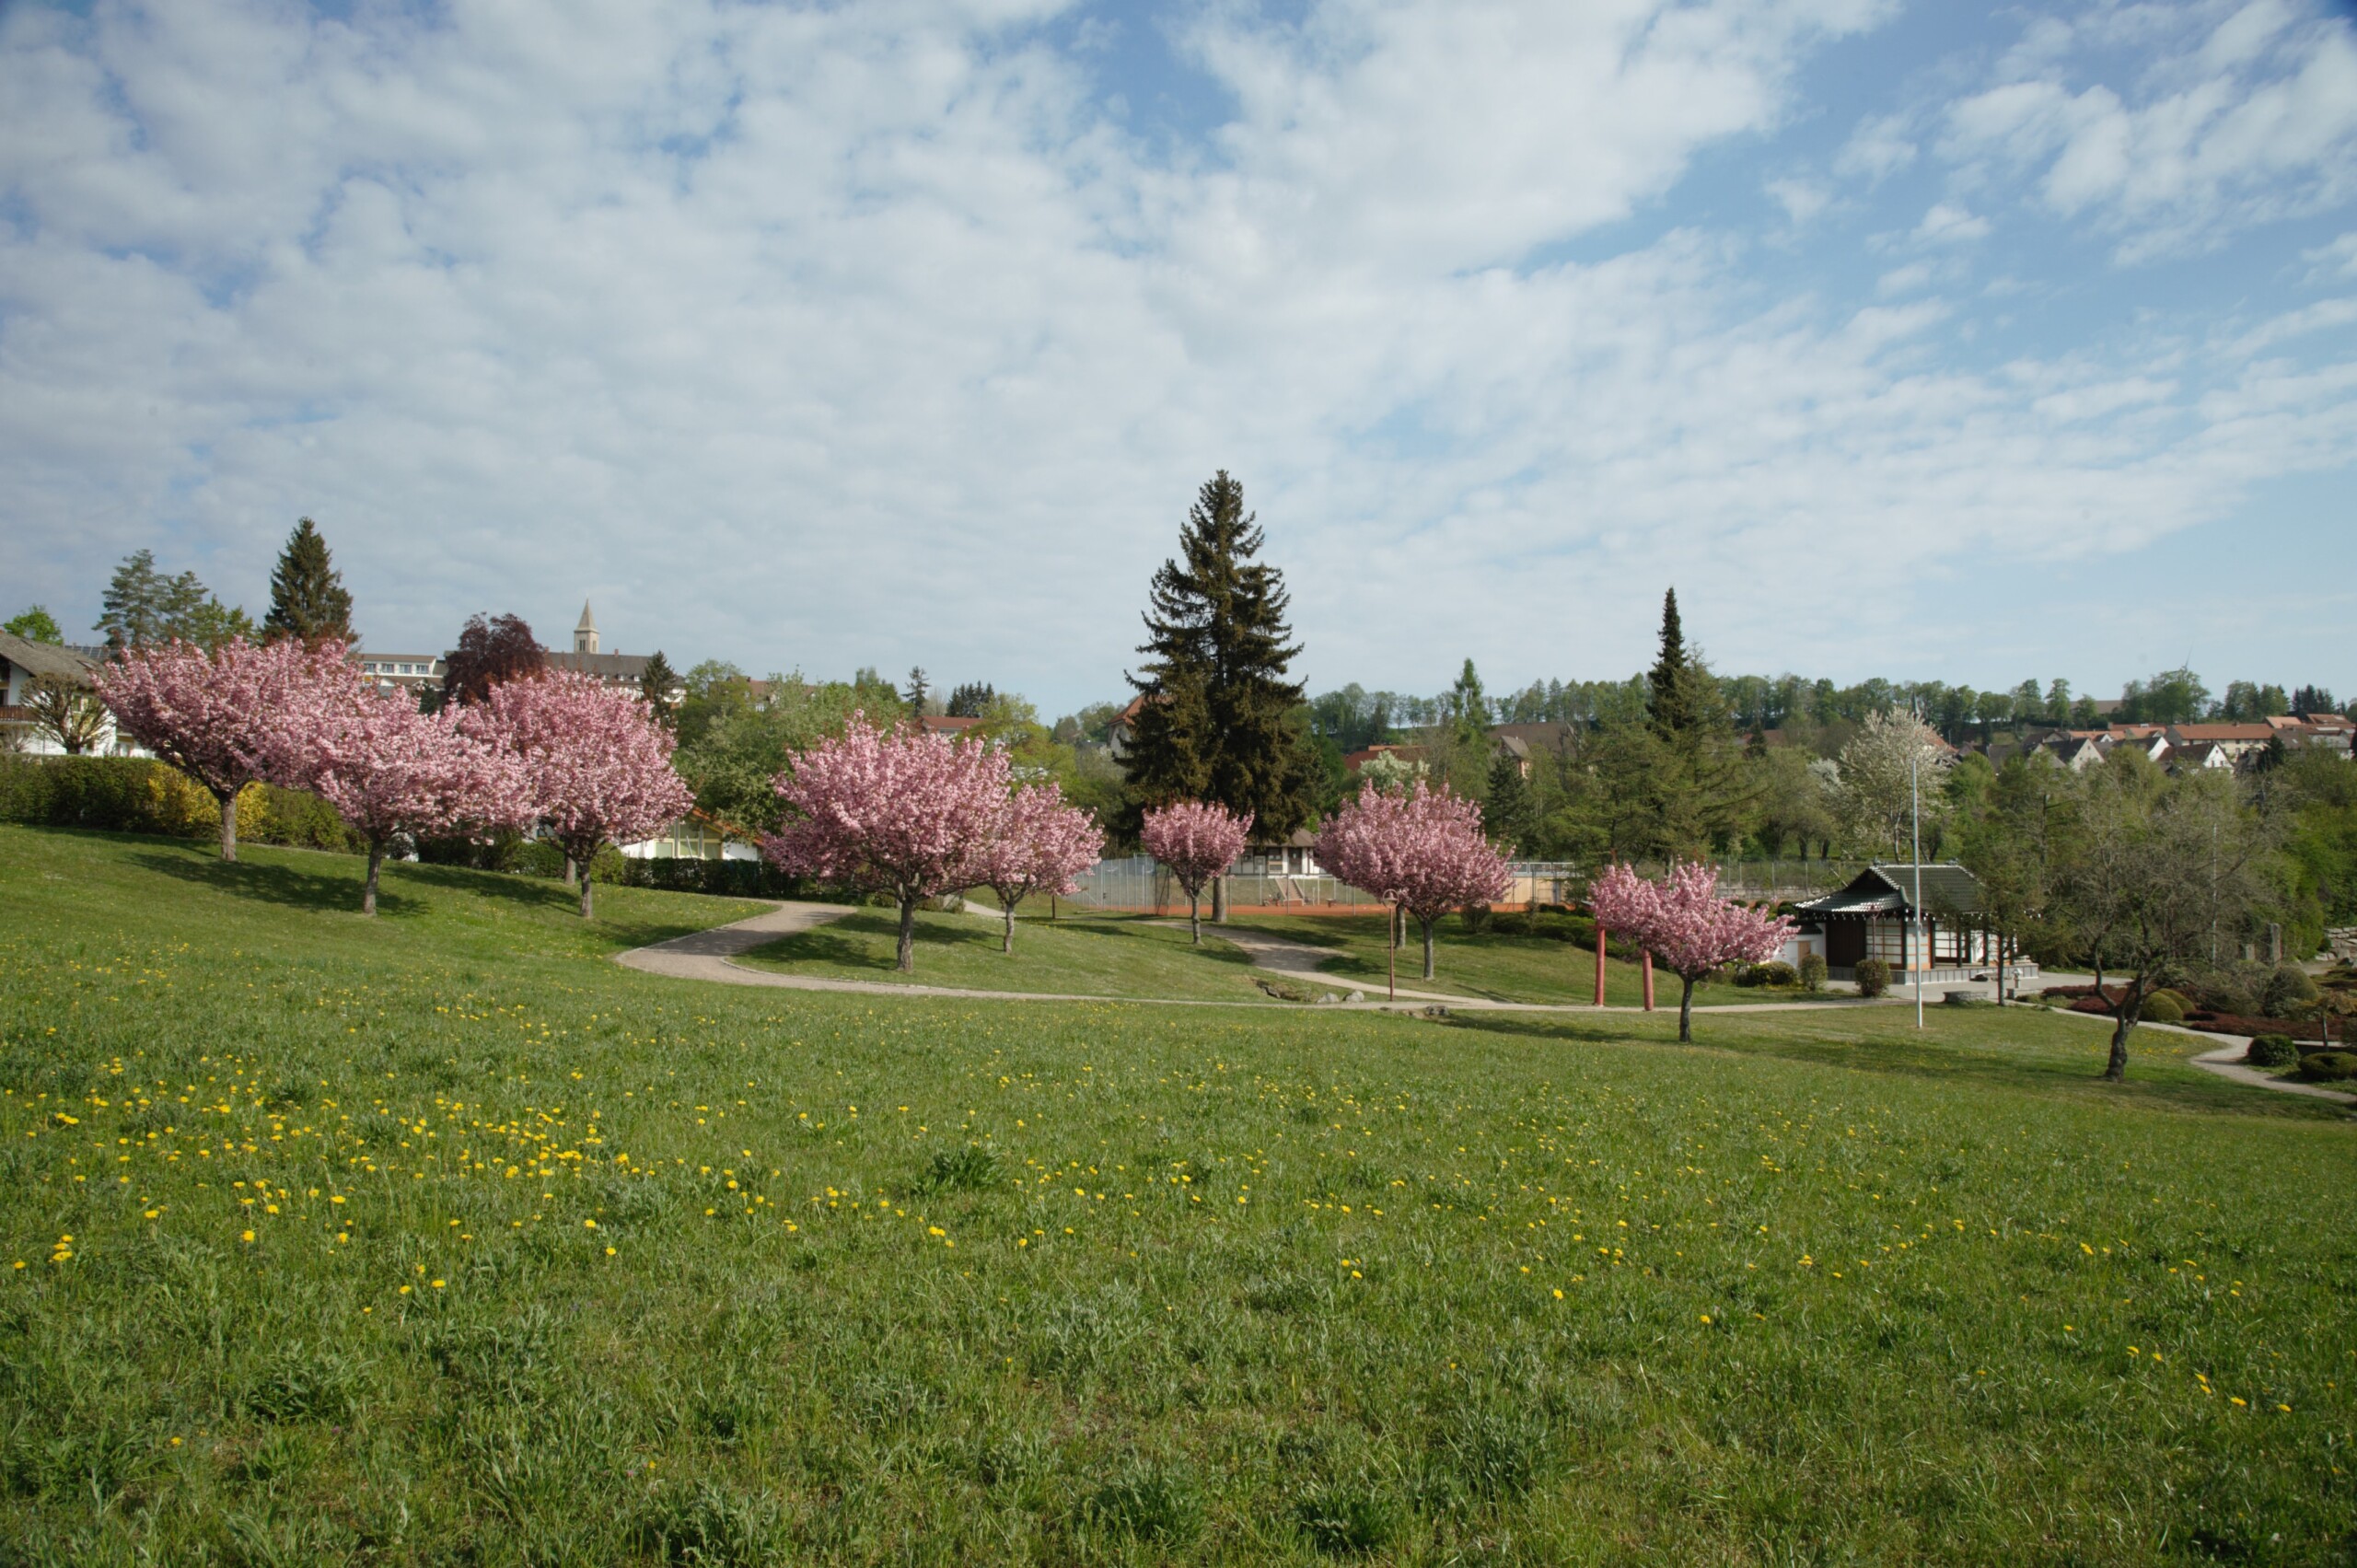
pixel 2189 732
pixel 942 724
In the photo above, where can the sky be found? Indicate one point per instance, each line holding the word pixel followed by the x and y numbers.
pixel 1913 339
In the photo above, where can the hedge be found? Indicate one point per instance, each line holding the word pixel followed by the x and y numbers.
pixel 139 794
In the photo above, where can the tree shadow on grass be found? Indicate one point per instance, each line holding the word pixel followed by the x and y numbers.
pixel 866 941
pixel 2034 1067
pixel 292 887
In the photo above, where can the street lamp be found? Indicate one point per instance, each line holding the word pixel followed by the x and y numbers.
pixel 1915 799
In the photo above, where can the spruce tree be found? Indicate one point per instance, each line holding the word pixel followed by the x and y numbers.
pixel 656 684
pixel 308 600
pixel 1213 725
pixel 1506 813
pixel 1670 697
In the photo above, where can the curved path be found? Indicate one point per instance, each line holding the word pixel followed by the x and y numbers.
pixel 711 955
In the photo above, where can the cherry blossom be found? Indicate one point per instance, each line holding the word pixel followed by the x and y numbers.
pixel 1423 852
pixel 891 811
pixel 391 772
pixel 215 716
pixel 1038 845
pixel 1198 840
pixel 598 763
pixel 1681 921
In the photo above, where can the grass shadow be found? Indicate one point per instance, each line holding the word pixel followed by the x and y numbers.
pixel 287 886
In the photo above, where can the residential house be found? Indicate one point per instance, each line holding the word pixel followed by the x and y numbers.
pixel 406 672
pixel 22 662
pixel 2239 741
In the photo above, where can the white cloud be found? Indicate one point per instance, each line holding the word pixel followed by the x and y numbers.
pixel 862 335
pixel 1801 199
pixel 2338 260
pixel 2252 121
pixel 1878 148
pixel 1904 280
pixel 1947 225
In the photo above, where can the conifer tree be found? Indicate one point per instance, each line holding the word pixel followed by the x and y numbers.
pixel 656 684
pixel 308 600
pixel 1213 725
pixel 1671 701
pixel 1507 811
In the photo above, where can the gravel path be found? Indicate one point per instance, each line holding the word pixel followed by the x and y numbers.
pixel 2228 1061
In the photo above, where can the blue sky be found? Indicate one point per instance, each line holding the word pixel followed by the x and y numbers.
pixel 1913 339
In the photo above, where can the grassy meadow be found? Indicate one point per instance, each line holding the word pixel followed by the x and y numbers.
pixel 1070 956
pixel 441 1240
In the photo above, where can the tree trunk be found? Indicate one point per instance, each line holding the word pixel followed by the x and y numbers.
pixel 585 890
pixel 1006 941
pixel 2116 1070
pixel 907 961
pixel 571 871
pixel 1599 964
pixel 1219 899
pixel 376 861
pixel 1646 964
pixel 229 824
pixel 1428 922
pixel 1391 955
pixel 1195 917
pixel 1686 1013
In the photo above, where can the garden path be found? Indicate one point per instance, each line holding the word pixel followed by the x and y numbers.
pixel 711 955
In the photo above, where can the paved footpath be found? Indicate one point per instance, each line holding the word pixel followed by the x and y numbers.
pixel 711 955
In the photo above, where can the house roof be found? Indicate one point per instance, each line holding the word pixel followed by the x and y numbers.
pixel 1519 740
pixel 45 658
pixel 942 724
pixel 605 667
pixel 1357 760
pixel 1948 889
pixel 2183 733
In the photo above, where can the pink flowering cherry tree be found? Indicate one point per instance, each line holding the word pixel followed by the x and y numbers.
pixel 1423 852
pixel 391 772
pixel 596 762
pixel 216 716
pixel 1198 839
pixel 1038 845
pixel 891 811
pixel 1682 922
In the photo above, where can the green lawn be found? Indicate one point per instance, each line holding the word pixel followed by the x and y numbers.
pixel 1501 969
pixel 1082 957
pixel 629 1270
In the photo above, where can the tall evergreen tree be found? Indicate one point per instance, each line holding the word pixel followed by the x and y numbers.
pixel 915 693
pixel 1213 723
pixel 656 684
pixel 142 606
pixel 971 699
pixel 1506 813
pixel 308 600
pixel 1670 700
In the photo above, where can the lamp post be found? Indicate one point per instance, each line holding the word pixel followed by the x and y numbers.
pixel 1915 916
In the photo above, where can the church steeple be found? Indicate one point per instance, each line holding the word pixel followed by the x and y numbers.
pixel 584 635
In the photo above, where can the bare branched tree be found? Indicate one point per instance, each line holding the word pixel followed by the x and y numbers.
pixel 2148 869
pixel 67 713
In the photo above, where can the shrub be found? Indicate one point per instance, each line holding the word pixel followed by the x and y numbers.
pixel 2288 991
pixel 2271 1050
pixel 2328 1066
pixel 1774 973
pixel 1811 972
pixel 2162 1007
pixel 1873 976
pixel 1510 924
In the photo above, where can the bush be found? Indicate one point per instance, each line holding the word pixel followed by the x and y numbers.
pixel 2288 991
pixel 1775 973
pixel 2271 1050
pixel 139 794
pixel 2328 1066
pixel 1811 972
pixel 1873 976
pixel 2162 1007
